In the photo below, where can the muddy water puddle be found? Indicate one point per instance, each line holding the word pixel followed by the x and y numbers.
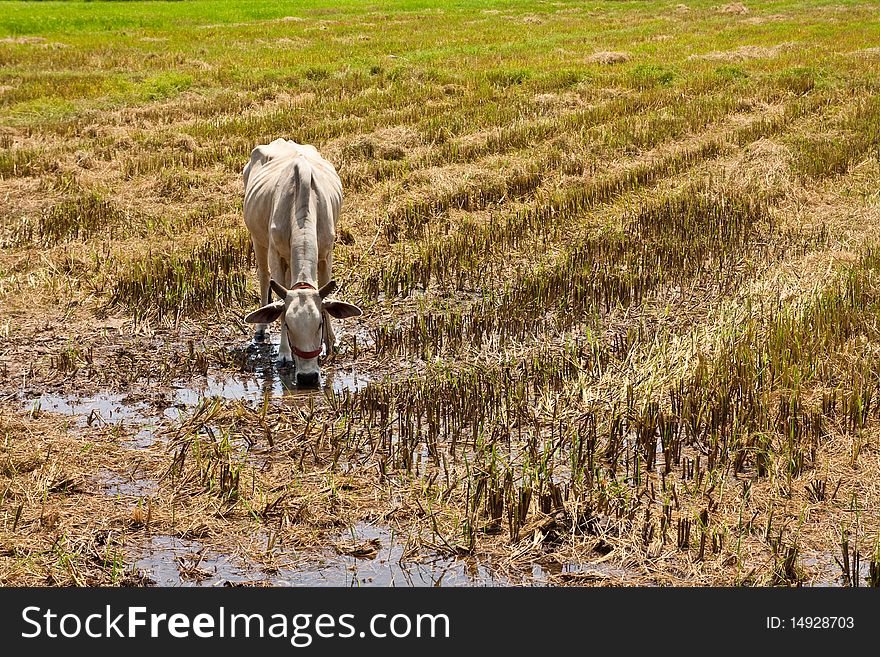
pixel 171 561
pixel 105 408
pixel 142 414
pixel 145 411
pixel 256 387
pixel 829 572
pixel 365 555
pixel 115 484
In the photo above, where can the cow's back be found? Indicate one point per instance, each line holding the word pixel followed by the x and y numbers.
pixel 270 177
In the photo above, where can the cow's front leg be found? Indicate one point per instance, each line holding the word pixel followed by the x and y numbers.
pixel 329 336
pixel 279 271
pixel 284 355
pixel 325 266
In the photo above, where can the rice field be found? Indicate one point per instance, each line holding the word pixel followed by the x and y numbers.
pixel 619 264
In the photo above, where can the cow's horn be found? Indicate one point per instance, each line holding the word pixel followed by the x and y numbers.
pixel 278 288
pixel 327 289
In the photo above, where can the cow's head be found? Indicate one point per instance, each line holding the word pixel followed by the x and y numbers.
pixel 303 309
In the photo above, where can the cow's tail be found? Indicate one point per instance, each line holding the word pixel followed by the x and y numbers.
pixel 303 196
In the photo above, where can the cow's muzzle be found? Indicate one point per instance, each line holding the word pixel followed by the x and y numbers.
pixel 307 379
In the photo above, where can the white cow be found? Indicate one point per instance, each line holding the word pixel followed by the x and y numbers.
pixel 292 197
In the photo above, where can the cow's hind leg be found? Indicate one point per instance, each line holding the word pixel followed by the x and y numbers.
pixel 261 255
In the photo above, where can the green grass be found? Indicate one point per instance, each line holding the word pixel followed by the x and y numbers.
pixel 155 50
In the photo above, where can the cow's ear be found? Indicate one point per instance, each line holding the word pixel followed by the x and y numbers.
pixel 328 289
pixel 341 310
pixel 277 288
pixel 266 314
